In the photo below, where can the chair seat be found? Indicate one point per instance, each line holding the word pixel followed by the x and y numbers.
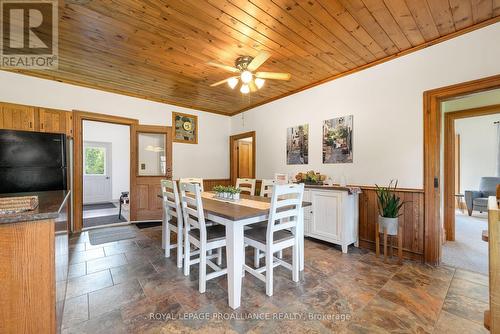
pixel 259 234
pixel 482 201
pixel 214 232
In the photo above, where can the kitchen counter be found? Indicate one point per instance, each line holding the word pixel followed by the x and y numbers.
pixel 49 207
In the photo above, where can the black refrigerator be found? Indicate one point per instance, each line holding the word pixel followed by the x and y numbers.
pixel 32 161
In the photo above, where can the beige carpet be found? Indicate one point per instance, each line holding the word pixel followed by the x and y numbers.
pixel 468 251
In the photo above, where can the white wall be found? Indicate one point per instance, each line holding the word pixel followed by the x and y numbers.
pixel 208 159
pixel 119 137
pixel 387 104
pixel 478 149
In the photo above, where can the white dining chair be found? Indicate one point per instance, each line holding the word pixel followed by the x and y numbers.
pixel 246 185
pixel 201 236
pixel 172 210
pixel 266 187
pixel 286 202
pixel 281 178
pixel 197 180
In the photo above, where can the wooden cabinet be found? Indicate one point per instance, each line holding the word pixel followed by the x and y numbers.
pixel 29 118
pixel 17 117
pixel 333 217
pixel 51 120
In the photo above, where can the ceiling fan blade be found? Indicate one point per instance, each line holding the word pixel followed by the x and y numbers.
pixel 220 82
pixel 224 67
pixel 273 75
pixel 252 86
pixel 258 60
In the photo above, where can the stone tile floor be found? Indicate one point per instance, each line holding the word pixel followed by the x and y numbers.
pixel 129 287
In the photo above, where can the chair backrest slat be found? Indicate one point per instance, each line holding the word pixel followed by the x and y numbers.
pixel 266 187
pixel 192 208
pixel 197 180
pixel 171 201
pixel 286 202
pixel 246 185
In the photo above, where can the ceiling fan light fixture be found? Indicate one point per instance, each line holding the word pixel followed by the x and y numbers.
pixel 245 89
pixel 232 82
pixel 246 76
pixel 259 82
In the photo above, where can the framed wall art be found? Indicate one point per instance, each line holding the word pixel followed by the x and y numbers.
pixel 337 140
pixel 185 128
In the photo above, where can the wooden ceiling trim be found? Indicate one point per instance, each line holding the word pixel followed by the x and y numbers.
pixel 422 14
pixel 440 10
pixel 338 12
pixel 359 11
pixel 481 10
pixel 380 61
pixel 47 76
pixel 159 49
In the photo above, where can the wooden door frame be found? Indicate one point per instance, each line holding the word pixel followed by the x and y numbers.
pixel 232 156
pixel 432 150
pixel 78 118
pixel 138 128
pixel 449 161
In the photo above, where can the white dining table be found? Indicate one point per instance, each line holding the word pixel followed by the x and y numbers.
pixel 235 216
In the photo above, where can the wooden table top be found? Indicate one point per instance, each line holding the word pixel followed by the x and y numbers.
pixel 233 211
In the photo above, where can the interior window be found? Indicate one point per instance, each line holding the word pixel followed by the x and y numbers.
pixel 152 159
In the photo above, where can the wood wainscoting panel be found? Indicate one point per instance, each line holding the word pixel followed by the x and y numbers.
pixel 208 184
pixel 412 219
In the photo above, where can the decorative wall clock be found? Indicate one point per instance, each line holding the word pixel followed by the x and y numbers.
pixel 185 128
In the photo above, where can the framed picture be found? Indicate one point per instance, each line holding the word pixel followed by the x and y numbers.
pixel 297 145
pixel 337 140
pixel 185 128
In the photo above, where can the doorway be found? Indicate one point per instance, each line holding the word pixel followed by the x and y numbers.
pixel 433 216
pixel 470 176
pixel 242 156
pixel 106 173
pixel 84 123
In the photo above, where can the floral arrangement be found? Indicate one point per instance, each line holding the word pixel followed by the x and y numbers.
pixel 227 192
pixel 310 177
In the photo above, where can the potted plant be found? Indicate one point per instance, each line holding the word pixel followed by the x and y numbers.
pixel 235 193
pixel 220 191
pixel 389 206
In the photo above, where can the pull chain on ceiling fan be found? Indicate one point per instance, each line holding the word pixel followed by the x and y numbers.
pixel 245 67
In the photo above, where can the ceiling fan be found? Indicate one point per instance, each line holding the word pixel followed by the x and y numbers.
pixel 245 67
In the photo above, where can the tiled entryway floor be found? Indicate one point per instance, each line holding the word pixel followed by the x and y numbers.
pixel 129 287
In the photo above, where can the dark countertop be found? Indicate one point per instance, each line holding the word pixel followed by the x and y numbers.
pixel 49 206
pixel 350 190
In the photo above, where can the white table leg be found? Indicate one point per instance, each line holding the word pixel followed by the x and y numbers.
pixel 300 232
pixel 234 257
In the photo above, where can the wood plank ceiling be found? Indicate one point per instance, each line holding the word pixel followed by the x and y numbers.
pixel 158 49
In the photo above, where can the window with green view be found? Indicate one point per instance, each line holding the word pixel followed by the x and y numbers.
pixel 95 160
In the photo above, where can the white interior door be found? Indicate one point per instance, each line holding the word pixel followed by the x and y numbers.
pixel 97 178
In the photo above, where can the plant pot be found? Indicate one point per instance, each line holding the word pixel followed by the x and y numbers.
pixel 390 224
pixel 236 197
